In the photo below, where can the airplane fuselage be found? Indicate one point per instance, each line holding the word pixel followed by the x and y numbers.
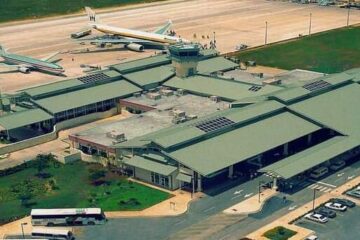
pixel 32 63
pixel 123 32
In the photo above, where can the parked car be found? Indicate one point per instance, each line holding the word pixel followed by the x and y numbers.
pixel 337 165
pixel 316 217
pixel 345 202
pixel 319 172
pixel 336 206
pixel 354 193
pixel 326 212
pixel 312 237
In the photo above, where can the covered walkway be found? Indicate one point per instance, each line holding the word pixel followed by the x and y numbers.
pixel 312 157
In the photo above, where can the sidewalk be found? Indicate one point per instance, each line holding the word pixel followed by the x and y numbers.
pixel 302 233
pixel 252 204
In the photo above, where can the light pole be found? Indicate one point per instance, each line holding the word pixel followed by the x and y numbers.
pixel 315 189
pixel 22 229
pixel 348 14
pixel 310 24
pixel 266 30
pixel 260 185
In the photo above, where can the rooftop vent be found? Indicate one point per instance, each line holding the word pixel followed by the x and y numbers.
pixel 93 78
pixel 317 85
pixel 214 124
pixel 254 88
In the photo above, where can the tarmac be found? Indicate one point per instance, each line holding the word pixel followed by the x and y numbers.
pixel 231 21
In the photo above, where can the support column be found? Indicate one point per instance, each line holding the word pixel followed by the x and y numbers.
pixel 8 135
pixel 332 132
pixel 199 187
pixel 309 139
pixel 274 186
pixel 286 149
pixel 231 171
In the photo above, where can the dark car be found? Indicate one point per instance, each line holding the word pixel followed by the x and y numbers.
pixel 326 212
pixel 354 193
pixel 345 202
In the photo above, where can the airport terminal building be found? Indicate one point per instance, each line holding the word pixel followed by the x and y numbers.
pixel 192 127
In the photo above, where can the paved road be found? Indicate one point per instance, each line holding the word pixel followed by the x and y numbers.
pixel 205 213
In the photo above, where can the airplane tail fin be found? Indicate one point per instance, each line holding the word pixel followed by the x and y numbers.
pixel 92 15
pixel 2 50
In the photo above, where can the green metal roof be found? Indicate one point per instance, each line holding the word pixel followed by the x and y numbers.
pixel 183 177
pixel 226 89
pixel 153 166
pixel 185 132
pixel 52 87
pixel 337 78
pixel 221 151
pixel 23 118
pixel 60 87
pixel 141 64
pixel 338 109
pixel 309 158
pixel 215 64
pixel 87 96
pixel 150 76
pixel 291 94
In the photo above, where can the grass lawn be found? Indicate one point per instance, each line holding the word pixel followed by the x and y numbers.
pixel 279 233
pixel 69 186
pixel 328 52
pixel 11 10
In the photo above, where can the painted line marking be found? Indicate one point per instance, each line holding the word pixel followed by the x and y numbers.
pixel 238 192
pixel 328 190
pixel 321 189
pixel 235 197
pixel 326 184
pixel 351 177
pixel 340 174
pixel 209 209
pixel 180 222
pixel 225 237
pixel 315 186
pixel 248 195
pixel 292 207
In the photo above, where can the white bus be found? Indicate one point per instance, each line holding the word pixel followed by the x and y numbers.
pixel 52 233
pixel 67 216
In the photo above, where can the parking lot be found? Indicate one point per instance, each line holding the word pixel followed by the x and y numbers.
pixel 344 226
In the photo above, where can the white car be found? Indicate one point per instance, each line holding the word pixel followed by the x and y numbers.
pixel 336 206
pixel 316 217
pixel 312 237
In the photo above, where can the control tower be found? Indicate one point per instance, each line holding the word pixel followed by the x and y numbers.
pixel 184 58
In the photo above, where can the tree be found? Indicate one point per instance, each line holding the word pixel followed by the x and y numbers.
pixel 41 163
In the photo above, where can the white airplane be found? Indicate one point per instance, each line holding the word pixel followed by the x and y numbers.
pixel 132 39
pixel 24 64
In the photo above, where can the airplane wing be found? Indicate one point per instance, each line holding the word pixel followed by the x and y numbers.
pixel 50 57
pixel 9 67
pixel 163 29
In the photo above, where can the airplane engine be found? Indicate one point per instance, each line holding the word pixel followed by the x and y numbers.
pixel 101 45
pixel 24 69
pixel 135 47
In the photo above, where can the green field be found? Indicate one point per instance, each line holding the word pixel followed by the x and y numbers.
pixel 279 233
pixel 73 185
pixel 328 52
pixel 11 10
